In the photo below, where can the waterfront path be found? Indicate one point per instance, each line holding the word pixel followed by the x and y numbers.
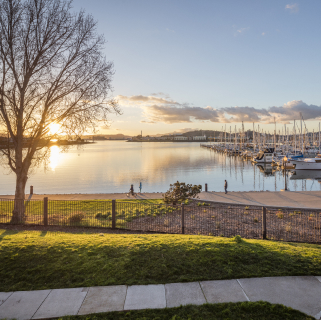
pixel 296 199
pixel 302 293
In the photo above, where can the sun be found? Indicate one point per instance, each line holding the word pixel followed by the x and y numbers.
pixel 54 128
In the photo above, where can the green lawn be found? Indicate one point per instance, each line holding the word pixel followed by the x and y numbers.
pixel 228 311
pixel 33 260
pixel 87 212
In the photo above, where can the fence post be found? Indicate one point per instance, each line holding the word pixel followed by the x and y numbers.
pixel 31 189
pixel 263 223
pixel 113 214
pixel 45 211
pixel 205 187
pixel 183 216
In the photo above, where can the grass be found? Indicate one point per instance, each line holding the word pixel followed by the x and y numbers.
pixel 32 260
pixel 88 212
pixel 229 311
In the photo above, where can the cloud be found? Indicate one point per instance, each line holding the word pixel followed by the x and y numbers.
pixel 292 109
pixel 140 99
pixel 241 31
pixel 166 110
pixel 293 8
pixel 174 114
pixel 246 114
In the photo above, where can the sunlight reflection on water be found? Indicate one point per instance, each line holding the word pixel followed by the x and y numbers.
pixel 112 166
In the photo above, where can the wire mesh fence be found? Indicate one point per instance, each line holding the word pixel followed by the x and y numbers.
pixel 216 219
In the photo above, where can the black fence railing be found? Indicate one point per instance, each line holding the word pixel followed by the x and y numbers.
pixel 211 218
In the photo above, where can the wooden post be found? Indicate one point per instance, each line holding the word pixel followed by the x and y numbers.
pixel 45 211
pixel 113 214
pixel 263 223
pixel 183 218
pixel 31 189
pixel 205 187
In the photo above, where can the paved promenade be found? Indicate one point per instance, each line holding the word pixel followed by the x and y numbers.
pixel 301 293
pixel 297 199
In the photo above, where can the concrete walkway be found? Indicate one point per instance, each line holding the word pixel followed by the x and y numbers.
pixel 301 293
pixel 296 199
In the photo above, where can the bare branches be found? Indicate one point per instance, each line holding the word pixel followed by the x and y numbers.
pixel 52 70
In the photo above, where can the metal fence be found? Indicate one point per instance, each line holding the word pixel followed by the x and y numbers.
pixel 217 219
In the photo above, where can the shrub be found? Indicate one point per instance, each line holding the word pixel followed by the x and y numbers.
pixel 238 239
pixel 280 215
pixel 76 218
pixel 179 192
pixel 256 220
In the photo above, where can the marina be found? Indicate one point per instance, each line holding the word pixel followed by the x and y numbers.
pixel 112 166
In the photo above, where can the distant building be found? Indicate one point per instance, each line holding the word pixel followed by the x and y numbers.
pixel 180 138
pixel 199 138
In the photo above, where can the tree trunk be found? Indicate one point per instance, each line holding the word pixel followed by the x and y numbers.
pixel 18 213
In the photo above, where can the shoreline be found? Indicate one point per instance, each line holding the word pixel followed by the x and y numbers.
pixel 293 199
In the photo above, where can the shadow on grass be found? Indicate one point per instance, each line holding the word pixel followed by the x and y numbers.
pixel 83 260
pixel 7 233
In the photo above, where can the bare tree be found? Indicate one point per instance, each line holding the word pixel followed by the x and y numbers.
pixel 52 72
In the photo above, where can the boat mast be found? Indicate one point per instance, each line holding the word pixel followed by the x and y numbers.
pixel 294 139
pixel 319 137
pixel 301 138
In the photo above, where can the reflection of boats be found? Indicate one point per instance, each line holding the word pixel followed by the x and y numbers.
pixel 308 163
pixel 266 169
pixel 306 174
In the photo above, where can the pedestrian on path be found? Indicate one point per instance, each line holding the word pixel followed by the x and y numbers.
pixel 225 187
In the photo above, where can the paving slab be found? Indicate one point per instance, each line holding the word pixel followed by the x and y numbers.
pixel 22 305
pixel 61 302
pixel 145 297
pixel 301 293
pixel 4 296
pixel 319 278
pixel 220 291
pixel 183 293
pixel 104 299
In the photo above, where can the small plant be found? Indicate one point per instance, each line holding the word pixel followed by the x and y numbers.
pixel 166 222
pixel 76 218
pixel 199 204
pixel 311 215
pixel 246 212
pixel 210 234
pixel 256 220
pixel 310 219
pixel 213 217
pixel 288 228
pixel 280 215
pixel 238 239
pixel 292 214
pixel 186 202
pixel 247 208
pixel 192 217
pixel 204 210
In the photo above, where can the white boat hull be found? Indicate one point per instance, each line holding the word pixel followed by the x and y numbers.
pixel 303 165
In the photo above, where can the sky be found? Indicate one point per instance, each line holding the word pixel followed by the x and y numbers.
pixel 182 65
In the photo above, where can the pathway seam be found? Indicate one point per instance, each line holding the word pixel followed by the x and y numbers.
pixel 7 298
pixel 41 303
pixel 203 291
pixel 243 290
pixel 126 297
pixel 83 300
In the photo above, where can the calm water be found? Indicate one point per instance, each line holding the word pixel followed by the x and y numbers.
pixel 111 166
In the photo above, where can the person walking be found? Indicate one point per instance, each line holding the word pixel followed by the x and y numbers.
pixel 225 187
